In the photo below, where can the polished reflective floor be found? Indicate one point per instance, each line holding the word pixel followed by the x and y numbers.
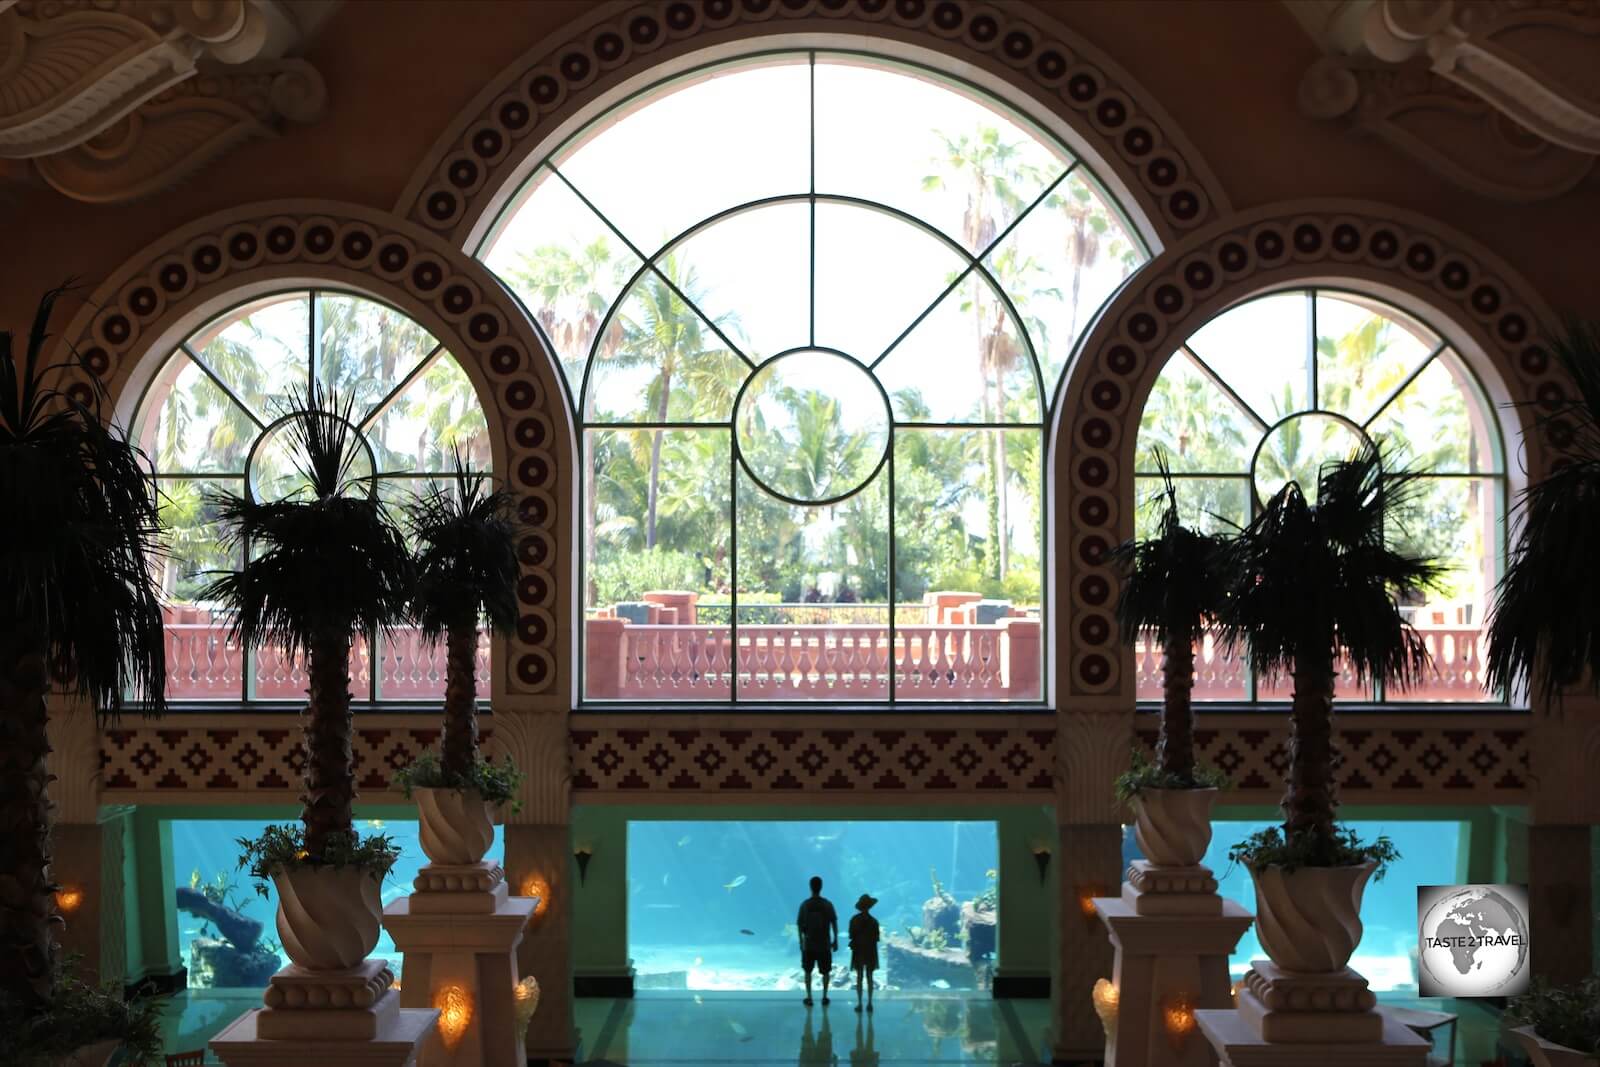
pixel 733 1029
pixel 774 1028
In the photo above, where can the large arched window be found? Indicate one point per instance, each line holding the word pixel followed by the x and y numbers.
pixel 211 419
pixel 1273 388
pixel 812 311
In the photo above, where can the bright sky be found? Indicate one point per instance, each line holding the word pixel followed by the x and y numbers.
pixel 744 134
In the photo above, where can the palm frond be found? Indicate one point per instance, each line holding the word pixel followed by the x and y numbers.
pixel 1544 627
pixel 331 561
pixel 466 560
pixel 1172 582
pixel 78 560
pixel 1320 581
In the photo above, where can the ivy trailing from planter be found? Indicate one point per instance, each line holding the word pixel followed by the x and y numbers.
pixel 80 1014
pixel 1564 1015
pixel 283 848
pixel 497 783
pixel 1142 774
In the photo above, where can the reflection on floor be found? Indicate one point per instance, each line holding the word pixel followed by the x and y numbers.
pixel 906 1030
pixel 772 1028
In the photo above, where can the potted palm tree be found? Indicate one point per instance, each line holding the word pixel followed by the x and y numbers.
pixel 1559 1026
pixel 466 570
pixel 318 566
pixel 1541 633
pixel 77 556
pixel 1172 585
pixel 1310 583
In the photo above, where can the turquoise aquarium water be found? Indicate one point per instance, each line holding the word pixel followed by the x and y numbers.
pixel 712 905
pixel 216 938
pixel 1430 854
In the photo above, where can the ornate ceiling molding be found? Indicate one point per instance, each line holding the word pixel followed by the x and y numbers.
pixel 1496 95
pixel 115 99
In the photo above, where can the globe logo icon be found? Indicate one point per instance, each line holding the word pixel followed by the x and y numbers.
pixel 1474 940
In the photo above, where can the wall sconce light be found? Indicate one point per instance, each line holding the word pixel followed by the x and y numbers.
pixel 455 1012
pixel 583 854
pixel 1238 984
pixel 526 993
pixel 1086 895
pixel 1106 1000
pixel 69 898
pixel 1177 1016
pixel 535 885
pixel 1041 859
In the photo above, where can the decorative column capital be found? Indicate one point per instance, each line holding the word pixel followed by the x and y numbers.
pixel 119 98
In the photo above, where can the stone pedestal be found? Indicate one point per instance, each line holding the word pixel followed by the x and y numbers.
pixel 1172 936
pixel 348 1017
pixel 459 933
pixel 1287 1020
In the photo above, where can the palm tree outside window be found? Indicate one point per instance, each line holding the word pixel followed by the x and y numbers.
pixel 813 354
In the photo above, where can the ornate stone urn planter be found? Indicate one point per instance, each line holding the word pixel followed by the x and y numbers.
pixel 328 917
pixel 1549 1054
pixel 1309 919
pixel 1173 826
pixel 457 824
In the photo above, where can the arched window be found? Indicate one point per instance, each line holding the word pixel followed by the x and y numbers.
pixel 812 311
pixel 1273 388
pixel 211 419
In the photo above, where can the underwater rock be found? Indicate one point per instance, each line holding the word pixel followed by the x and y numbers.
pixel 217 964
pixel 662 980
pixel 979 930
pixel 942 913
pixel 909 966
pixel 241 930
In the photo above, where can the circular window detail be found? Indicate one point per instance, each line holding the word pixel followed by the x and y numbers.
pixel 1298 447
pixel 812 426
pixel 275 469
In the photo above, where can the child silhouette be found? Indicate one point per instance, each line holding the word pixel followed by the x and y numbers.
pixel 864 946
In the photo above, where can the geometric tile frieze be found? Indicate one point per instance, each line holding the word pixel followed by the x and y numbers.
pixel 1472 763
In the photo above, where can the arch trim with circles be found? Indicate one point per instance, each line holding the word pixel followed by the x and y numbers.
pixel 1018 53
pixel 135 318
pixel 1490 315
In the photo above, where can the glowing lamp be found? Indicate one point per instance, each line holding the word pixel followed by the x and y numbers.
pixel 1238 984
pixel 69 898
pixel 1106 999
pixel 1086 895
pixel 526 993
pixel 536 885
pixel 455 1012
pixel 1177 1016
pixel 396 986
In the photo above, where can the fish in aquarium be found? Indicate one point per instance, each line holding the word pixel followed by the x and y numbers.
pixel 684 840
pixel 664 878
pixel 736 883
pixel 748 933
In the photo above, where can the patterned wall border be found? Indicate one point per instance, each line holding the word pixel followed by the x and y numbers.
pixel 253 757
pixel 132 320
pixel 486 152
pixel 1400 758
pixel 1477 300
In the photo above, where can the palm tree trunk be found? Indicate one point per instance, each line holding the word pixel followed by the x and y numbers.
pixel 1002 476
pixel 27 896
pixel 1175 747
pixel 330 793
pixel 655 462
pixel 590 504
pixel 460 745
pixel 1308 804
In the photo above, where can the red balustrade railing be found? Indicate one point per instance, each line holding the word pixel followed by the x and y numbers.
pixel 941 661
pixel 1456 673
pixel 205 663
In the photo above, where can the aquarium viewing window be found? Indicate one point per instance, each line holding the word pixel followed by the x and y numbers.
pixel 713 905
pixel 1431 853
pixel 227 932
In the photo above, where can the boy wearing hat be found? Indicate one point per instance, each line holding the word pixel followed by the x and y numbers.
pixel 864 946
